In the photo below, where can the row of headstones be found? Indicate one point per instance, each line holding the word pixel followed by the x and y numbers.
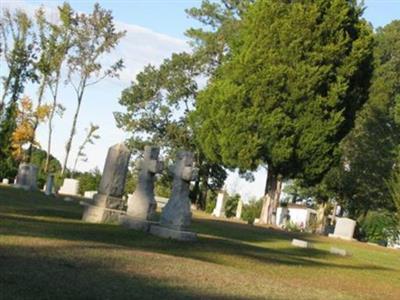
pixel 107 204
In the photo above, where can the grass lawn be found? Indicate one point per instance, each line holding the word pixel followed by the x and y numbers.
pixel 46 252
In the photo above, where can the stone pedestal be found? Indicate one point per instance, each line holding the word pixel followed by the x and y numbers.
pixel 107 204
pixel 49 187
pixel 219 210
pixel 70 187
pixel 27 176
pixel 169 233
pixel 344 229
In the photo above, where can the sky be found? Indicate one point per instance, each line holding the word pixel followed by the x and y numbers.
pixel 155 29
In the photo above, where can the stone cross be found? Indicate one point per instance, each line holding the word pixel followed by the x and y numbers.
pixel 176 214
pixel 27 176
pixel 108 203
pixel 48 189
pixel 142 204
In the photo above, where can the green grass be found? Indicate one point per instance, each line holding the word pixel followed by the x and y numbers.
pixel 46 252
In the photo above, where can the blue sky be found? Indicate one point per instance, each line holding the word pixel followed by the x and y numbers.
pixel 155 29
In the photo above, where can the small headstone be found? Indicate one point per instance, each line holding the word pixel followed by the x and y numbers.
pixel 70 187
pixel 161 201
pixel 49 187
pixel 176 215
pixel 344 229
pixel 239 209
pixel 338 251
pixel 301 243
pixel 5 181
pixel 27 176
pixel 89 194
pixel 107 203
pixel 219 210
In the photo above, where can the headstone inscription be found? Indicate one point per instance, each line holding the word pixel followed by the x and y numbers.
pixel 176 215
pixel 107 204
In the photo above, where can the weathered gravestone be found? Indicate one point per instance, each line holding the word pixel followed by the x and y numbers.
pixel 301 243
pixel 49 187
pixel 344 229
pixel 142 204
pixel 5 181
pixel 27 176
pixel 70 187
pixel 89 194
pixel 176 215
pixel 239 209
pixel 219 210
pixel 107 204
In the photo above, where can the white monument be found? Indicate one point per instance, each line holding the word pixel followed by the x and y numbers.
pixel 89 194
pixel 5 181
pixel 239 209
pixel 70 187
pixel 344 229
pixel 219 210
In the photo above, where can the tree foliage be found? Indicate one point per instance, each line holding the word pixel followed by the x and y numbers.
pixel 289 92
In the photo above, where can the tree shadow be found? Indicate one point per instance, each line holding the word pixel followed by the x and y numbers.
pixel 212 249
pixel 27 275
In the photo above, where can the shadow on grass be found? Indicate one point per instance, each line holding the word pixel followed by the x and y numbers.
pixel 27 275
pixel 208 249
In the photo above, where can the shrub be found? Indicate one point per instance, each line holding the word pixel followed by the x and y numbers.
pixel 231 205
pixel 211 201
pixel 252 210
pixel 379 227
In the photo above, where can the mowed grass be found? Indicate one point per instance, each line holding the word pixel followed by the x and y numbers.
pixel 46 252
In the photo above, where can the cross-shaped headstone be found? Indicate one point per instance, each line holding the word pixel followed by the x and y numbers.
pixel 142 204
pixel 176 214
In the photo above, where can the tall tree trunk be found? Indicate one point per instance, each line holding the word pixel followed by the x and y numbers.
pixel 36 122
pixel 271 198
pixel 71 135
pixel 321 218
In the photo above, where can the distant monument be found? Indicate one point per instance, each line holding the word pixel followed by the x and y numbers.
pixel 219 210
pixel 176 215
pixel 70 187
pixel 344 229
pixel 239 209
pixel 107 204
pixel 49 187
pixel 27 176
pixel 142 204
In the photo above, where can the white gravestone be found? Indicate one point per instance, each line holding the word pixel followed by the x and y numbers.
pixel 89 194
pixel 239 209
pixel 107 204
pixel 176 215
pixel 219 210
pixel 5 181
pixel 49 187
pixel 27 176
pixel 344 229
pixel 70 187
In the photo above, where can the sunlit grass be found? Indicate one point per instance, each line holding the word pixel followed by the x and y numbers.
pixel 46 252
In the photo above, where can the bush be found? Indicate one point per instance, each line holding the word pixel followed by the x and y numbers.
pixel 292 227
pixel 379 227
pixel 211 201
pixel 231 205
pixel 89 181
pixel 252 210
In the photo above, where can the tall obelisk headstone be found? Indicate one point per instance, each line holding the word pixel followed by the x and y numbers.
pixel 176 215
pixel 142 204
pixel 107 203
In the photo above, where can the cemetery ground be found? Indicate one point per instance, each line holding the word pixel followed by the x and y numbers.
pixel 47 252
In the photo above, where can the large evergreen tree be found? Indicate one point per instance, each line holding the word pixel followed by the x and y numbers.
pixel 288 93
